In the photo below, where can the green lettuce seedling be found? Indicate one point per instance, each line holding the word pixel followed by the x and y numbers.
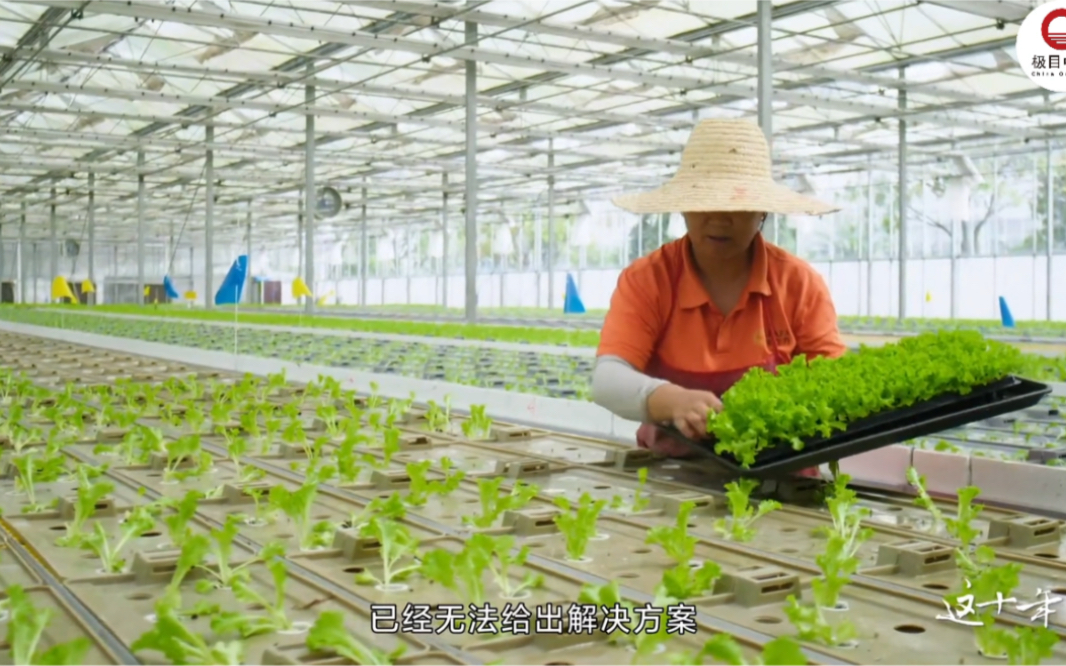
pixel 249 420
pixel 294 432
pixel 478 425
pixel 89 495
pixel 272 427
pixel 494 505
pixel 349 463
pixel 137 521
pixel 961 527
pixel 373 401
pixel 221 412
pixel 25 628
pixel 213 554
pixel 178 522
pixel 298 505
pixel 579 526
pixel 640 500
pixel 330 419
pixel 462 572
pixel 438 418
pixel 838 563
pixel 459 572
pixel 22 438
pixel 501 548
pixel 644 644
pixel 390 445
pixel 330 635
pixel 273 619
pixel 985 581
pixel 683 581
pixel 139 443
pixel 263 512
pixel 395 545
pixel 382 507
pixel 1029 645
pixel 186 447
pixel 194 418
pixel 724 649
pixel 237 446
pixel 923 499
pixel 171 637
pixel 422 488
pixel 738 526
pixel 398 409
pixel 31 469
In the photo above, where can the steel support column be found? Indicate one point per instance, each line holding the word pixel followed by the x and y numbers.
pixel 765 83
pixel 994 233
pixel 140 227
pixel 300 234
pixel 444 241
pixel 903 198
pixel 640 240
pixel 550 254
pixel 90 224
pixel 868 251
pixel 250 280
pixel 538 247
pixel 209 220
pixel 20 263
pixel 1050 225
pixel 53 232
pixel 765 55
pixel 309 193
pixel 364 251
pixel 956 225
pixel 408 259
pixel 35 259
pixel 471 177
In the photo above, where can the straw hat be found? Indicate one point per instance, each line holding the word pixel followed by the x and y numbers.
pixel 725 167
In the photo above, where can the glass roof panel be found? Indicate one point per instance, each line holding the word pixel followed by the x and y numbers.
pixel 388 114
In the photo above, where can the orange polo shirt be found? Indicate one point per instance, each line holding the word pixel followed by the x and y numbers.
pixel 696 337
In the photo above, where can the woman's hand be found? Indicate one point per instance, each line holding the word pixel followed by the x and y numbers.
pixel 686 409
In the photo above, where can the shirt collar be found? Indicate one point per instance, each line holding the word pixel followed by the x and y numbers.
pixel 691 293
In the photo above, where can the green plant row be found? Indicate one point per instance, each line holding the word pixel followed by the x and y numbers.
pixel 1035 367
pixel 501 333
pixel 354 432
pixel 251 414
pixel 847 322
pixel 817 398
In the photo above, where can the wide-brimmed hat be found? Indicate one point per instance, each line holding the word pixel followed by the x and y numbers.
pixel 725 167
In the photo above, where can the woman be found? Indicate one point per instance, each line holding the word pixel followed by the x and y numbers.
pixel 688 320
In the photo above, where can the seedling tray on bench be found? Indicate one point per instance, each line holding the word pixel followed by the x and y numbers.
pixel 891 427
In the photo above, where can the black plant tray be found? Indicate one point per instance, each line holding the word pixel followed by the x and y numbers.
pixel 892 427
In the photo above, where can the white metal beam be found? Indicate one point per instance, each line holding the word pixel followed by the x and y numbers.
pixel 422 48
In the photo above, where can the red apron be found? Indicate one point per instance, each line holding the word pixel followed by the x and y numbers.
pixel 658 440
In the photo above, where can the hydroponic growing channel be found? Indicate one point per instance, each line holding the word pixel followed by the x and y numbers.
pixel 245 519
pixel 534 371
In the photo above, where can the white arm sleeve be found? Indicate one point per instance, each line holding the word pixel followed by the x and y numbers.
pixel 621 389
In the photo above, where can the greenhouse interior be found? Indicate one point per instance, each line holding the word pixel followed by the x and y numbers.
pixel 731 324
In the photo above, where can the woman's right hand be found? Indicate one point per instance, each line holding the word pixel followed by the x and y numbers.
pixel 686 409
